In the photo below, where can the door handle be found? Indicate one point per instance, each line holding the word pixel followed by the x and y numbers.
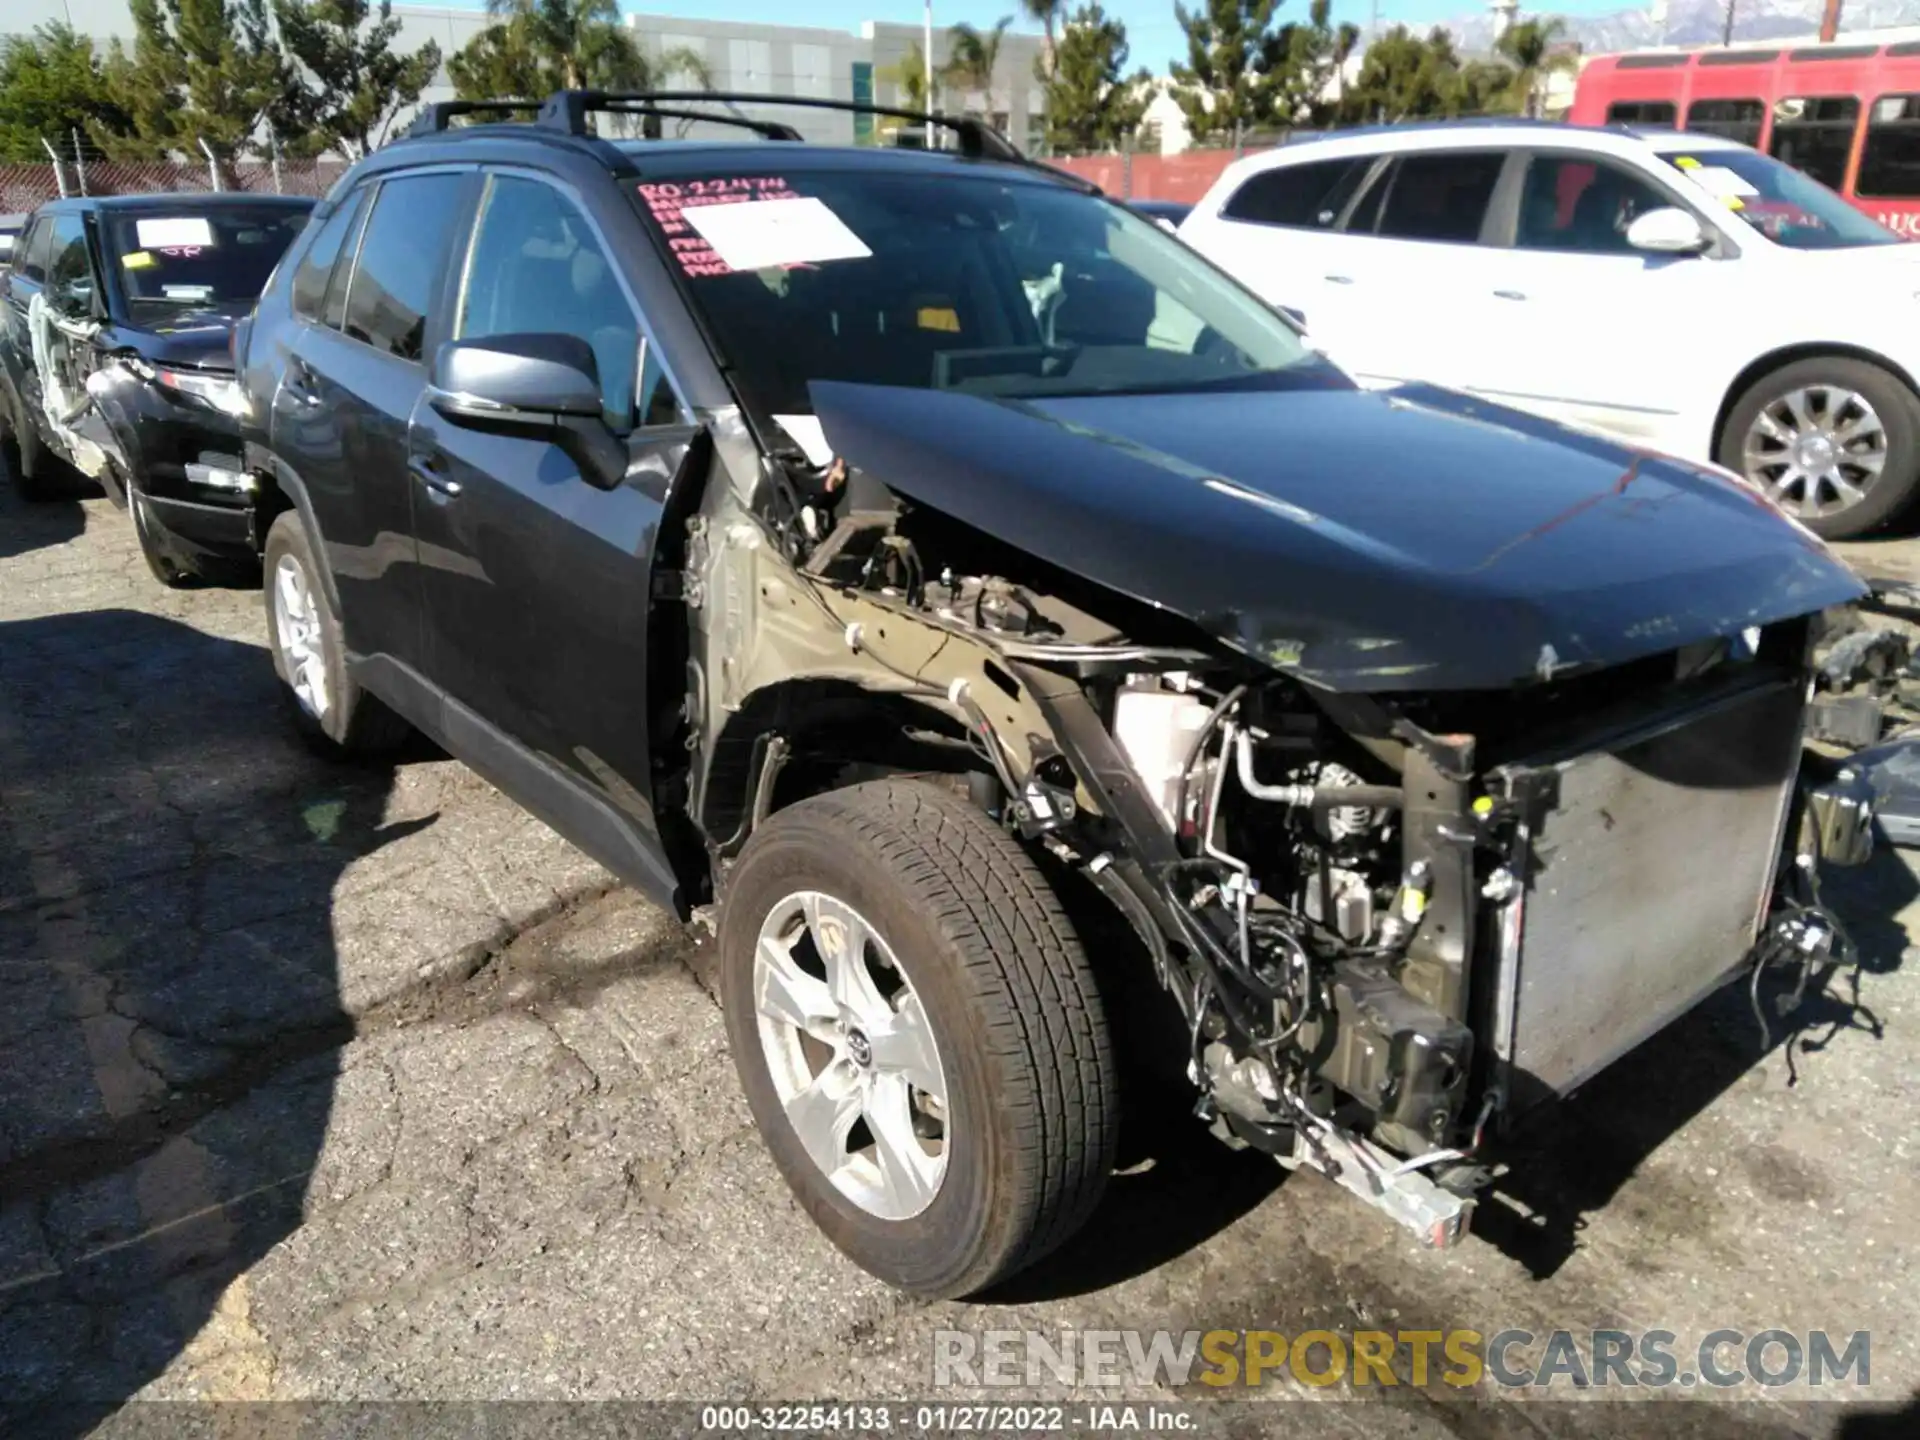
pixel 1508 295
pixel 296 383
pixel 428 474
pixel 1338 279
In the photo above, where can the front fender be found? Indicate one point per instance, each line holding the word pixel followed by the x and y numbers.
pixel 263 463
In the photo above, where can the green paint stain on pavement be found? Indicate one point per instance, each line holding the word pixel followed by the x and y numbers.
pixel 323 819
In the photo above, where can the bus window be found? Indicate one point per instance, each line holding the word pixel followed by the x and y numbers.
pixel 1641 112
pixel 1890 160
pixel 1815 135
pixel 1733 119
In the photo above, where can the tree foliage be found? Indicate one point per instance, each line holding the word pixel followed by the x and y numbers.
pixel 1246 71
pixel 1535 50
pixel 1092 103
pixel 346 83
pixel 201 71
pixel 1404 76
pixel 52 85
pixel 534 47
pixel 908 75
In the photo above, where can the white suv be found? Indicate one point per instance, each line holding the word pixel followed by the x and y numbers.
pixel 1678 290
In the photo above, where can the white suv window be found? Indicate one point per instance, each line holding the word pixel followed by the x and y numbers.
pixel 1582 204
pixel 1300 197
pixel 1441 195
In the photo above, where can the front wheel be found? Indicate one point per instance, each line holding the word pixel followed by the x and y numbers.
pixel 919 1035
pixel 1834 442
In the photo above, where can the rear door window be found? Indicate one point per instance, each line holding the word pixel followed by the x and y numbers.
pixel 1732 119
pixel 1814 134
pixel 34 246
pixel 402 258
pixel 1440 196
pixel 316 268
pixel 1890 160
pixel 1305 197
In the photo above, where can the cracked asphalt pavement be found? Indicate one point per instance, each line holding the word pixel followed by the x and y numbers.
pixel 360 1084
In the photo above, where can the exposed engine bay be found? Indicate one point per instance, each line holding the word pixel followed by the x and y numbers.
pixel 1390 921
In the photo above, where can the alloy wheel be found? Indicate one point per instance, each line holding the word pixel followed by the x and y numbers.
pixel 853 1058
pixel 296 622
pixel 1816 449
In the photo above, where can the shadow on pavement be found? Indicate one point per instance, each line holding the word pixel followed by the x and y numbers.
pixel 169 997
pixel 1569 1158
pixel 28 525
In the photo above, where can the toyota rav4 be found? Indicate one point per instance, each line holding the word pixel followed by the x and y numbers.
pixel 921 565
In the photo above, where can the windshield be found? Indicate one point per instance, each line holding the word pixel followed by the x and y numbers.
pixel 1786 206
pixel 959 281
pixel 206 259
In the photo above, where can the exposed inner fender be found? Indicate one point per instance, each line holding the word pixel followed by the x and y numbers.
pixel 62 403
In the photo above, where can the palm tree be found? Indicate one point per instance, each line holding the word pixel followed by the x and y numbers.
pixel 1529 46
pixel 570 44
pixel 910 75
pixel 1049 13
pixel 974 55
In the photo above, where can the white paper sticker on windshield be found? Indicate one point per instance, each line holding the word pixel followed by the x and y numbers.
pixel 755 234
pixel 173 232
pixel 186 292
pixel 807 434
pixel 1722 183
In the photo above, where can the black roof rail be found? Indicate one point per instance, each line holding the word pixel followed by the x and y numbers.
pixel 765 129
pixel 568 110
pixel 438 115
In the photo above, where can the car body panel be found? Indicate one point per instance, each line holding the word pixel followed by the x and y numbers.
pixel 1361 540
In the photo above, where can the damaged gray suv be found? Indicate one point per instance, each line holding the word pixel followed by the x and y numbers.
pixel 980 605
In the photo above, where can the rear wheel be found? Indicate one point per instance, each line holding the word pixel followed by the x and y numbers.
pixel 32 470
pixel 918 1033
pixel 1835 442
pixel 330 709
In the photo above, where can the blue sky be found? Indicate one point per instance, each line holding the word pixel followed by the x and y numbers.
pixel 1151 28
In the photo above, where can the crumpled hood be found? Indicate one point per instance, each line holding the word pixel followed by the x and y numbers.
pixel 1362 540
pixel 180 335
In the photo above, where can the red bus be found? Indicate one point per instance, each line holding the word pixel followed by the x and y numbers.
pixel 1847 114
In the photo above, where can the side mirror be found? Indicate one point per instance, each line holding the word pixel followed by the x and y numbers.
pixel 540 386
pixel 1668 231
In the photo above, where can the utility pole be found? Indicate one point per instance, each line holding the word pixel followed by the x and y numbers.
pixel 927 54
pixel 1726 35
pixel 1830 22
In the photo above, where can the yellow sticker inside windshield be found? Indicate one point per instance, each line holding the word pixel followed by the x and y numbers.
pixel 939 317
pixel 137 260
pixel 1687 162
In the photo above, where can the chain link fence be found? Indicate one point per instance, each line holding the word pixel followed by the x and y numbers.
pixel 75 167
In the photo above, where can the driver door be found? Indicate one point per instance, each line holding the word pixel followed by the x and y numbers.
pixel 538 582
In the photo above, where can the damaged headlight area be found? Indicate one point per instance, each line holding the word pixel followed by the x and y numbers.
pixel 214 389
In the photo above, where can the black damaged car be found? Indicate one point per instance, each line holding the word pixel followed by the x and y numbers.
pixel 116 359
pixel 982 609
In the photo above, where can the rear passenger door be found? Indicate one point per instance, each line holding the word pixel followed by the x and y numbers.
pixel 348 388
pixel 1414 251
pixel 537 582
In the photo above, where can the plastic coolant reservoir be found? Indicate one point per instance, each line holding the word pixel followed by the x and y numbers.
pixel 1155 728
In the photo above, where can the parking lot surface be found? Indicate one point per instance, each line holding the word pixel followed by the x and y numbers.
pixel 360 1084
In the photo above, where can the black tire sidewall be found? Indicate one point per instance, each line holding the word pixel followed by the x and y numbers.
pixel 959 1234
pixel 1898 408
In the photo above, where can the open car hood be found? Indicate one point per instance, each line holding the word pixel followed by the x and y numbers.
pixel 1361 540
